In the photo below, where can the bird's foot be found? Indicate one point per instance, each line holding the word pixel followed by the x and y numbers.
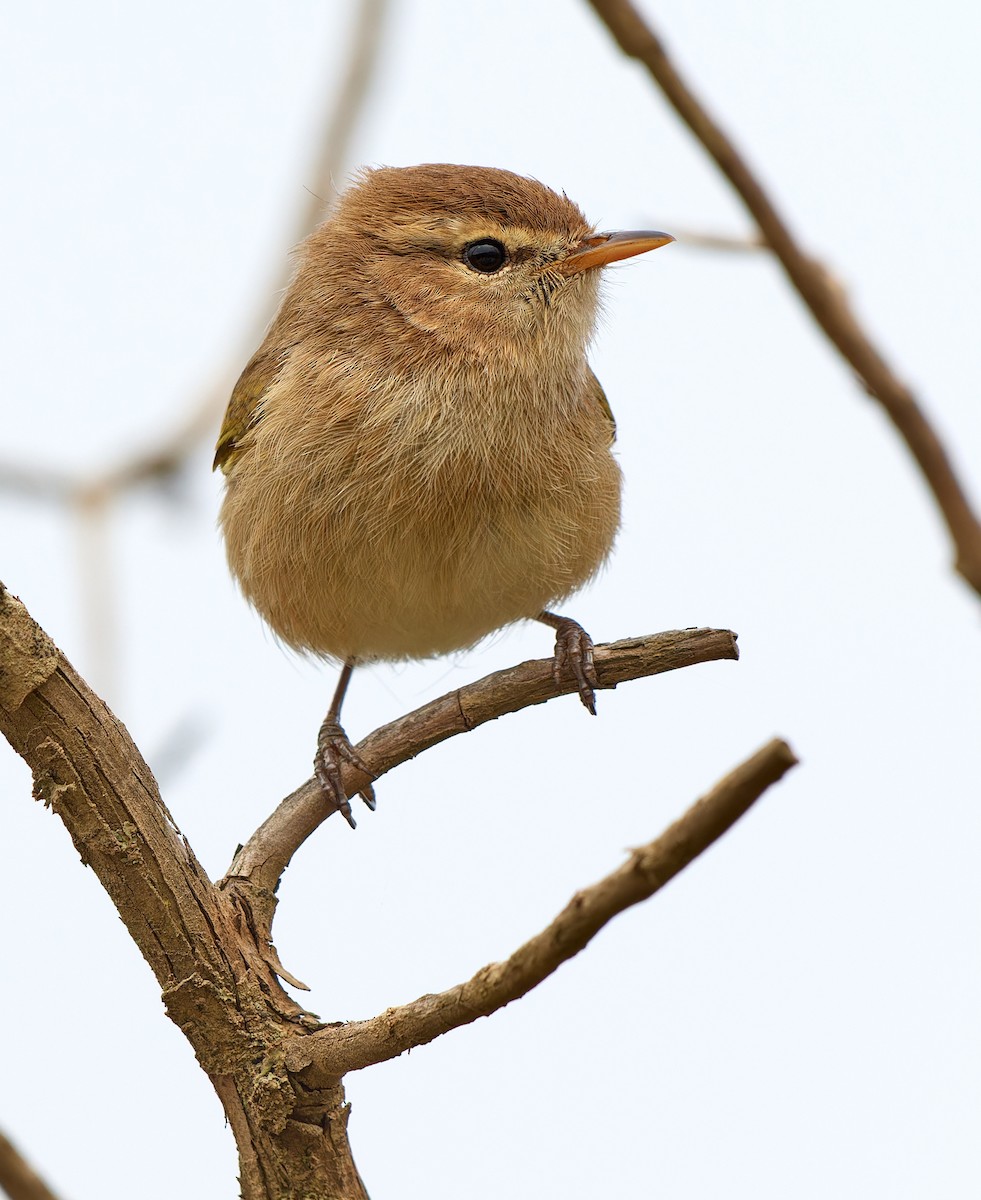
pixel 334 749
pixel 574 656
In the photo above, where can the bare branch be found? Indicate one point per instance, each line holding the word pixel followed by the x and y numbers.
pixel 87 769
pixel 827 302
pixel 165 455
pixel 700 239
pixel 217 984
pixel 262 860
pixel 254 875
pixel 36 483
pixel 345 111
pixel 337 1049
pixel 97 591
pixel 209 948
pixel 18 1179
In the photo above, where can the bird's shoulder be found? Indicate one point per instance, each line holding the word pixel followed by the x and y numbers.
pixel 245 406
pixel 596 396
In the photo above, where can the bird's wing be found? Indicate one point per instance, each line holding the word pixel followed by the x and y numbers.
pixel 245 406
pixel 598 396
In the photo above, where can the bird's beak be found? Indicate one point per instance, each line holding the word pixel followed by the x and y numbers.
pixel 604 248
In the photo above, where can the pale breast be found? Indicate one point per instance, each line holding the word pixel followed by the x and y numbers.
pixel 398 525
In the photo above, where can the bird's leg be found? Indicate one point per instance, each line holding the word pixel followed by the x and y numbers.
pixel 573 655
pixel 334 749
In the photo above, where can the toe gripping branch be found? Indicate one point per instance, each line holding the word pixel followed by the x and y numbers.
pixel 573 656
pixel 334 749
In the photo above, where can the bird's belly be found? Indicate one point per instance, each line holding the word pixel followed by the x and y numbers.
pixel 428 557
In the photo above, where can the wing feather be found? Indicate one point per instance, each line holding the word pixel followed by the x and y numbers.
pixel 598 396
pixel 245 406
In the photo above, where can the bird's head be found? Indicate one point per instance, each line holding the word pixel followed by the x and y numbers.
pixel 474 260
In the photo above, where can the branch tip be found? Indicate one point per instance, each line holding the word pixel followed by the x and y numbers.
pixel 815 283
pixel 350 1047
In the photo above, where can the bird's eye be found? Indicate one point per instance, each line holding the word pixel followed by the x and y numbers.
pixel 486 256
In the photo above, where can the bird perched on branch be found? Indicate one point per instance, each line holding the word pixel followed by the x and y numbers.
pixel 419 453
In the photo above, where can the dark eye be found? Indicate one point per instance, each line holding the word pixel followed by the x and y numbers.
pixel 486 256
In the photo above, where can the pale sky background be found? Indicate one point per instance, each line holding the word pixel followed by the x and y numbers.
pixel 796 1015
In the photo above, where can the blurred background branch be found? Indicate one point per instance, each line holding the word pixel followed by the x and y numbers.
pixel 92 497
pixel 758 493
pixel 817 288
pixel 18 1179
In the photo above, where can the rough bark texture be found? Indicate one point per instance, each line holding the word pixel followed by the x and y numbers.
pixel 276 1069
pixel 216 983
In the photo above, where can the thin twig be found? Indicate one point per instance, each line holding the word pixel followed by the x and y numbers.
pixel 97 597
pixel 268 851
pixel 827 302
pixel 164 457
pixel 700 239
pixel 337 1049
pixel 167 452
pixel 36 483
pixel 18 1179
pixel 254 875
pixel 347 109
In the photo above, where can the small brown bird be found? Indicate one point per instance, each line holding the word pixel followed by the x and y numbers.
pixel 419 453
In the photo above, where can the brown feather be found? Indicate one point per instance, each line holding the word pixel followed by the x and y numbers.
pixel 419 453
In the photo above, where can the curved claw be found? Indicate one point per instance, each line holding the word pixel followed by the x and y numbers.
pixel 334 749
pixel 574 656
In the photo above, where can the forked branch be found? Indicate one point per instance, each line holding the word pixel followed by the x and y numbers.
pixel 276 1070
